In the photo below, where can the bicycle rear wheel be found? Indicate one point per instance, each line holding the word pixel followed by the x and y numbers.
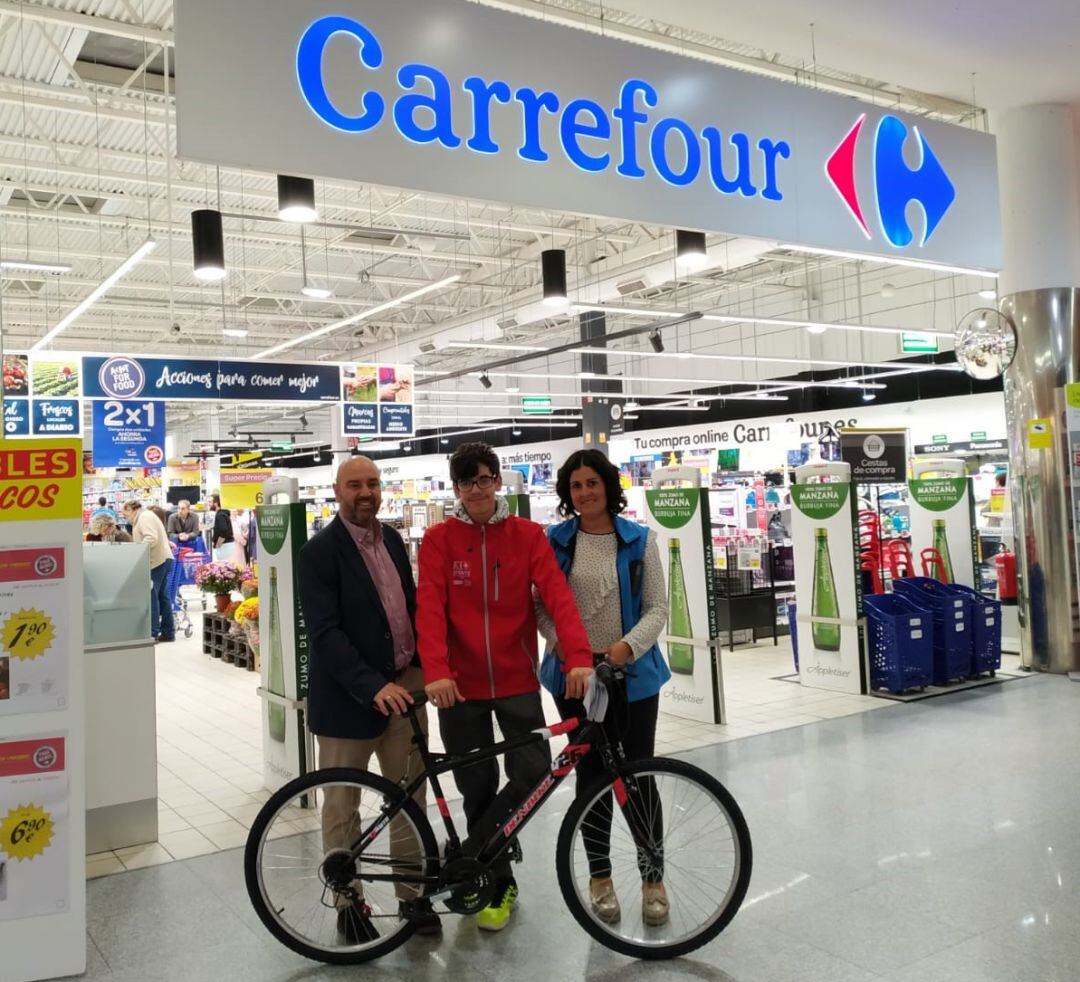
pixel 672 823
pixel 316 900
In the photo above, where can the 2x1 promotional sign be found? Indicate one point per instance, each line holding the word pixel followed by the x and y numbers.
pixel 680 519
pixel 128 434
pixel 943 520
pixel 128 377
pixel 823 530
pixel 462 99
pixel 283 640
pixel 875 456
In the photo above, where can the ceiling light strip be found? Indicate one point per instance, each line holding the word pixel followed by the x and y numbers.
pixel 97 293
pixel 892 261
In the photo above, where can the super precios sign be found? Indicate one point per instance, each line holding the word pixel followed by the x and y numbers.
pixel 39 482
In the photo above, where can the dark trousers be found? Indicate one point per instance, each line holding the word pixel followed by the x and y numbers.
pixel 468 726
pixel 634 725
pixel 161 613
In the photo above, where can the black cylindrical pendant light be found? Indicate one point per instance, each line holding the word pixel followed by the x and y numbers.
pixel 208 244
pixel 690 250
pixel 296 199
pixel 553 262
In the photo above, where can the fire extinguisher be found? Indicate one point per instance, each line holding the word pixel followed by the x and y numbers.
pixel 1005 563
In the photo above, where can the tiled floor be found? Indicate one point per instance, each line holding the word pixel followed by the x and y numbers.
pixel 935 842
pixel 210 783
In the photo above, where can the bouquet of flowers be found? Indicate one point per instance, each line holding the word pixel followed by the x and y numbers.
pixel 249 583
pixel 247 616
pixel 218 578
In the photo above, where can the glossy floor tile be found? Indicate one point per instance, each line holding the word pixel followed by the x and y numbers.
pixel 933 842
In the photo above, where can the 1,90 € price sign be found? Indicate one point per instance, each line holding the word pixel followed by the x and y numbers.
pixel 26 832
pixel 27 634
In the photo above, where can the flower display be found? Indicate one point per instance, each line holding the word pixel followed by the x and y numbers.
pixel 247 612
pixel 218 578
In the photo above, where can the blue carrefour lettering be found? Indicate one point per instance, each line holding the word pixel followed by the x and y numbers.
pixel 898 185
pixel 438 104
pixel 309 73
pixel 590 135
pixel 573 129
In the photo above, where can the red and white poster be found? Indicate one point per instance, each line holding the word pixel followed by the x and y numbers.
pixel 34 638
pixel 33 827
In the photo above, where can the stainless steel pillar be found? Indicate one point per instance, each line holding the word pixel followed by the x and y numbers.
pixel 1039 165
pixel 1048 322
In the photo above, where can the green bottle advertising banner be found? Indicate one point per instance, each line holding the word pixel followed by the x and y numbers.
pixel 283 641
pixel 827 587
pixel 680 519
pixel 943 520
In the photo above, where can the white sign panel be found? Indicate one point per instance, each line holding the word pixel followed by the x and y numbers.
pixel 458 98
pixel 827 587
pixel 943 529
pixel 680 518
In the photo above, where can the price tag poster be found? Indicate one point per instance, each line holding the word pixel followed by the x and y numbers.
pixel 33 827
pixel 34 654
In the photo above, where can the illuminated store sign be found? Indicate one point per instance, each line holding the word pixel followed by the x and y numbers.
pixel 462 99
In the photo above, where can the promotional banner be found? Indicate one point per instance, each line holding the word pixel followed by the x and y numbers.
pixel 680 518
pixel 16 417
pixel 242 488
pixel 823 535
pixel 34 646
pixel 34 827
pixel 943 527
pixel 40 482
pixel 55 408
pixel 377 400
pixel 128 434
pixel 876 456
pixel 135 377
pixel 283 641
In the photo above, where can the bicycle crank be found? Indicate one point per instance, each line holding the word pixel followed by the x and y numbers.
pixel 470 883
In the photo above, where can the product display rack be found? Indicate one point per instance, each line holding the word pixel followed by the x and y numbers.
pixel 219 641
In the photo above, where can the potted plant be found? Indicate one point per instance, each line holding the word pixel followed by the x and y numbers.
pixel 247 616
pixel 220 579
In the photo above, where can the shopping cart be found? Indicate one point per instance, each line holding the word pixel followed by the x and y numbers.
pixel 952 616
pixel 186 561
pixel 901 637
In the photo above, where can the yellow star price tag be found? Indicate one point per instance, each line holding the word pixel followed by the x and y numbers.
pixel 28 634
pixel 26 832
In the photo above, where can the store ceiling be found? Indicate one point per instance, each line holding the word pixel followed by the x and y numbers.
pixel 87 154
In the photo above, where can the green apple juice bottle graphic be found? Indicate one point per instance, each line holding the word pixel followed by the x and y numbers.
pixel 941 543
pixel 275 682
pixel 825 603
pixel 680 656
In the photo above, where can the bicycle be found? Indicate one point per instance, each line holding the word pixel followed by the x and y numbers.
pixel 679 825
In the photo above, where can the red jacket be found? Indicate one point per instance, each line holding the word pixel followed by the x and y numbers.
pixel 474 606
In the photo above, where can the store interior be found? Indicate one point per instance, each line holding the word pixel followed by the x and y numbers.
pixel 741 359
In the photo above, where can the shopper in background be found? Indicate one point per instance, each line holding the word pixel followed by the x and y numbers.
pixel 103 509
pixel 359 603
pixel 146 527
pixel 476 629
pixel 183 524
pixel 240 535
pixel 222 535
pixel 162 515
pixel 103 528
pixel 614 569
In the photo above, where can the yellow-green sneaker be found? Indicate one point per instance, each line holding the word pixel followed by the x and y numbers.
pixel 496 915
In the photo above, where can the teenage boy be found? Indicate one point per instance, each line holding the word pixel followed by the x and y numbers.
pixel 476 634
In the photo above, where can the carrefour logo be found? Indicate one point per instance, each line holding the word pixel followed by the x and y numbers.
pixel 895 184
pixel 593 137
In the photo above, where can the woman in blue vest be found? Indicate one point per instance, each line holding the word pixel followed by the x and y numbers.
pixel 615 572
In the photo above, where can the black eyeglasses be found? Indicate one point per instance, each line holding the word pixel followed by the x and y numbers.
pixel 483 482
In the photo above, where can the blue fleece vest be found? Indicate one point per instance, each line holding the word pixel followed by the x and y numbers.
pixel 647 673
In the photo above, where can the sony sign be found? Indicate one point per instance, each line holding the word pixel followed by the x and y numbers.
pixel 462 99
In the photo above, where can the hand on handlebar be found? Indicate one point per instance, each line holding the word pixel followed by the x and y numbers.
pixel 576 680
pixel 392 698
pixel 444 693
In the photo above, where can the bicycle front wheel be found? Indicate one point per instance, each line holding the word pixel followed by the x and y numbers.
pixel 659 822
pixel 308 890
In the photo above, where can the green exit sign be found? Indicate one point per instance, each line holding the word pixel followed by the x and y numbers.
pixel 281 445
pixel 536 405
pixel 941 438
pixel 914 343
pixel 978 435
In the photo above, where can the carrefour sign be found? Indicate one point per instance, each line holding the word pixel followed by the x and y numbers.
pixel 459 98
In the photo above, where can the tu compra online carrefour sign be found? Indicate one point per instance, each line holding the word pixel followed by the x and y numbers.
pixel 459 98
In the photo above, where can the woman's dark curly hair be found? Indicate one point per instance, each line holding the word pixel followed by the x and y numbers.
pixel 609 474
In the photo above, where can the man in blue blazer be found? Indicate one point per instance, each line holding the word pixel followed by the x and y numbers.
pixel 359 603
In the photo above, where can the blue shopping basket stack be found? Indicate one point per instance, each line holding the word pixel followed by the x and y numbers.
pixel 985 630
pixel 901 640
pixel 952 616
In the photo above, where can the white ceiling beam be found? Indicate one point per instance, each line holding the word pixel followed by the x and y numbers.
pixel 85 22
